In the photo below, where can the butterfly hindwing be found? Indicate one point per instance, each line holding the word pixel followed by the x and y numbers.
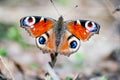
pixel 36 25
pixel 69 44
pixel 46 42
pixel 82 29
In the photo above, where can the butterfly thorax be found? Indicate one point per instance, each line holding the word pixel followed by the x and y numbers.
pixel 59 29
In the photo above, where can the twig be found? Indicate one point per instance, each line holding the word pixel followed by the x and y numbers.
pixel 51 75
pixel 6 67
pixel 53 59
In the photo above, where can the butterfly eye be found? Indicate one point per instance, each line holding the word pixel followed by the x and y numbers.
pixel 91 26
pixel 74 44
pixel 29 21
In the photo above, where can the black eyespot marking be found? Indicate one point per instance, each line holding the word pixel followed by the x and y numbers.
pixel 70 37
pixel 22 22
pixel 45 20
pixel 83 22
pixel 47 34
pixel 75 22
pixel 37 19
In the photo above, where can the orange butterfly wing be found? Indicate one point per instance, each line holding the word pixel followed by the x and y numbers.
pixel 47 42
pixel 41 27
pixel 82 29
pixel 36 25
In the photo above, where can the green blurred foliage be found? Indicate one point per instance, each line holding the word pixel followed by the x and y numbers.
pixel 4 29
pixel 13 33
pixel 79 58
pixel 3 51
pixel 10 31
pixel 68 78
pixel 76 62
pixel 63 2
pixel 33 65
pixel 104 78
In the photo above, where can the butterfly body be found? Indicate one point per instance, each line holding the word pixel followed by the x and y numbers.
pixel 59 36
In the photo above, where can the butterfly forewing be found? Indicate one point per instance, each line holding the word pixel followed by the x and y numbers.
pixel 41 29
pixel 36 25
pixel 82 29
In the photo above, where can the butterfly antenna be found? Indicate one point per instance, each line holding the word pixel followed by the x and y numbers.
pixel 55 7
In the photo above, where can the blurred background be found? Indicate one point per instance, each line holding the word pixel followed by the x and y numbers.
pixel 97 59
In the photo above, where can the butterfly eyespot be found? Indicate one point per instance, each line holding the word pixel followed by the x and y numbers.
pixel 42 40
pixel 45 20
pixel 73 44
pixel 91 26
pixel 29 21
pixel 75 22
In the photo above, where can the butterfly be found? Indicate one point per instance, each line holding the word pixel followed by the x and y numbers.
pixel 59 36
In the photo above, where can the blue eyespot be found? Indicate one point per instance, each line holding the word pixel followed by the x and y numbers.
pixel 73 44
pixel 24 23
pixel 42 40
pixel 95 29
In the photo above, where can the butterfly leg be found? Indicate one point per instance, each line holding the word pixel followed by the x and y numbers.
pixel 53 59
